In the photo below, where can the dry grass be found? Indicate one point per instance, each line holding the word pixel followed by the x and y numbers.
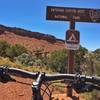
pixel 6 61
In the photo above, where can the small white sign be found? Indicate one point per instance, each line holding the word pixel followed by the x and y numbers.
pixel 72 46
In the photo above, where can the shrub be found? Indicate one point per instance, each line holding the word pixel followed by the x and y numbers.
pixel 58 61
pixel 26 59
pixel 15 51
pixel 3 47
pixel 38 62
pixel 97 54
pixel 80 58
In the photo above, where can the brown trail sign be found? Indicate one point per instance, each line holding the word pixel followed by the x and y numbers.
pixel 77 14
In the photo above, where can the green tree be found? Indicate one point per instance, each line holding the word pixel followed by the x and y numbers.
pixel 58 61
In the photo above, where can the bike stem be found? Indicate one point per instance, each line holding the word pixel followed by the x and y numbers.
pixel 36 87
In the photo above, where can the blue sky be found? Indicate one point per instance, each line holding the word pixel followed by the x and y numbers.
pixel 31 15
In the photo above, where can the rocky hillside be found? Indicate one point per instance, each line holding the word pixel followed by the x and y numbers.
pixel 31 40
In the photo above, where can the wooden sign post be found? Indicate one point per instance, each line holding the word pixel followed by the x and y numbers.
pixel 70 62
pixel 73 15
pixel 71 52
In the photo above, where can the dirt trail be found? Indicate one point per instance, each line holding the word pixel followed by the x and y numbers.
pixel 21 90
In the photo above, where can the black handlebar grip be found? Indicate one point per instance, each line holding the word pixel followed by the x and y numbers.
pixel 96 80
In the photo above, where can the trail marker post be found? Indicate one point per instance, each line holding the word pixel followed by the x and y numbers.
pixel 73 15
pixel 71 52
pixel 72 36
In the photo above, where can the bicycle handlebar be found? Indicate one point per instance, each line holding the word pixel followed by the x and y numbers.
pixel 80 83
pixel 23 73
pixel 49 77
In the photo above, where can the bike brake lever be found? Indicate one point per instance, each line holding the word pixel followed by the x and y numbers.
pixel 4 76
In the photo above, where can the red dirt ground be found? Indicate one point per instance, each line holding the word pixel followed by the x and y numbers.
pixel 21 90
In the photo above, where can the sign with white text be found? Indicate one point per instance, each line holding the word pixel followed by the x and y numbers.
pixel 77 14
